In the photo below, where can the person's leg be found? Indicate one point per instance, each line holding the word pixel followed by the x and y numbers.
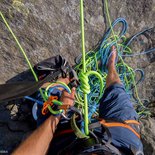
pixel 112 76
pixel 115 102
pixel 116 105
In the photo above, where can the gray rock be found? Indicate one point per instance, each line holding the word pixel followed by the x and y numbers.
pixel 148 135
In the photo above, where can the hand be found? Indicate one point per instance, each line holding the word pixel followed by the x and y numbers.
pixel 68 99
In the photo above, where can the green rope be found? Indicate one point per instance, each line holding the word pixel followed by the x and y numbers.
pixel 92 62
pixel 84 66
pixel 20 47
pixel 133 77
pixel 23 52
pixel 85 87
pixel 44 96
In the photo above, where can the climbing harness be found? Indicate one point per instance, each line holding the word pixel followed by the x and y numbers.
pixel 95 144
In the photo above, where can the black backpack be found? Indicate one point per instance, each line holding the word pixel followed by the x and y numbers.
pixel 47 70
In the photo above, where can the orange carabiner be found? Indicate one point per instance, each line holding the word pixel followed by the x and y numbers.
pixel 47 103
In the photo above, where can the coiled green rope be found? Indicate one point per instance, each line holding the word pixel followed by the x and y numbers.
pixel 96 61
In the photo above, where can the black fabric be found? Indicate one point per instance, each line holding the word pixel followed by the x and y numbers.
pixel 50 65
pixel 68 144
pixel 60 142
pixel 18 90
pixel 47 70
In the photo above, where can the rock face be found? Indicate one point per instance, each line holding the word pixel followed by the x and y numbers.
pixel 148 135
pixel 50 27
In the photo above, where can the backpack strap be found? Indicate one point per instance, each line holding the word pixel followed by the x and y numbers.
pixel 127 124
pixel 17 90
pixel 106 145
pixel 47 71
pixel 131 125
